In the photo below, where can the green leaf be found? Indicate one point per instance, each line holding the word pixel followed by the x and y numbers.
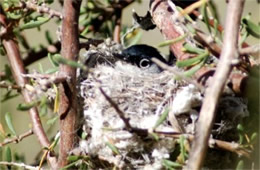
pixel 254 137
pixel 69 166
pixel 35 23
pixel 170 164
pixel 9 96
pixel 8 154
pixel 52 70
pixel 182 147
pixel 52 120
pixel 43 106
pixel 26 106
pixel 162 118
pixel 169 42
pixel 8 120
pixel 48 37
pixel 73 158
pixel 57 99
pixel 252 28
pixel 193 70
pixel 113 148
pixel 240 127
pixel 205 16
pixel 191 49
pixel 240 165
pixel 59 59
pixel 192 61
pixel 155 136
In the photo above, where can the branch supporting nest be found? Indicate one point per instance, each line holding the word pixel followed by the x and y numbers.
pixel 207 113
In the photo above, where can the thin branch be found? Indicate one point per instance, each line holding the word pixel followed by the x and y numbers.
pixel 3 84
pixel 39 8
pixel 251 50
pixel 120 112
pixel 213 143
pixel 17 67
pixel 35 56
pixel 68 106
pixel 20 165
pixel 207 113
pixel 16 139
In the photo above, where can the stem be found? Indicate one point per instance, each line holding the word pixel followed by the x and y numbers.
pixel 17 67
pixel 207 113
pixel 68 104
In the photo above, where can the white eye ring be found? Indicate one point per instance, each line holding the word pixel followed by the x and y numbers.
pixel 144 63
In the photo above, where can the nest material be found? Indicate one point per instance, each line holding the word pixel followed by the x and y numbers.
pixel 142 97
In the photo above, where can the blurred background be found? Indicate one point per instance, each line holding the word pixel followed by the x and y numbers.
pixel 30 147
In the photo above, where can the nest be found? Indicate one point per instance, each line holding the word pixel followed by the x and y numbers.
pixel 143 98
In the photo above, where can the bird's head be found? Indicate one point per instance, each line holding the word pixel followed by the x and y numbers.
pixel 141 56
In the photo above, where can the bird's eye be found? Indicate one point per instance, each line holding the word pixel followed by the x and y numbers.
pixel 144 63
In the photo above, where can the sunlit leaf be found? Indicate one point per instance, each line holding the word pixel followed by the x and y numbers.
pixel 191 49
pixel 169 42
pixel 252 28
pixel 192 61
pixel 57 99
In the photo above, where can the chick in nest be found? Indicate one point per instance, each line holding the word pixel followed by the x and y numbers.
pixel 140 89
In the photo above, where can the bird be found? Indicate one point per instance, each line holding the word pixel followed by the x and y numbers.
pixel 141 56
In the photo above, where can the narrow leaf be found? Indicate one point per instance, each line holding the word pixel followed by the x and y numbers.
pixel 35 23
pixel 192 61
pixel 8 119
pixel 113 148
pixel 57 99
pixel 191 49
pixel 240 165
pixel 162 118
pixel 8 154
pixel 205 16
pixel 252 28
pixel 26 106
pixel 169 42
pixel 171 164
pixel 59 59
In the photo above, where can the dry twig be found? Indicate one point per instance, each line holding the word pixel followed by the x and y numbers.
pixel 16 139
pixel 20 165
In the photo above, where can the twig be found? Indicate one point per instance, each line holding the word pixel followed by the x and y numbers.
pixel 177 73
pixel 17 67
pixel 68 106
pixel 21 165
pixel 213 143
pixel 120 112
pixel 16 139
pixel 207 113
pixel 9 86
pixel 35 56
pixel 251 50
pixel 41 9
